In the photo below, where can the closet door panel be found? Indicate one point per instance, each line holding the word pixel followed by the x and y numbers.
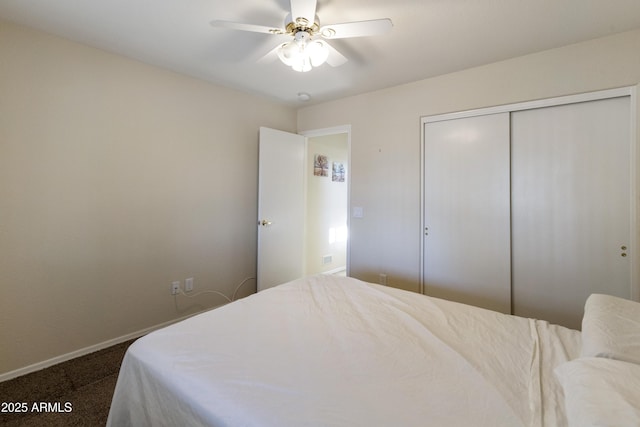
pixel 571 208
pixel 466 211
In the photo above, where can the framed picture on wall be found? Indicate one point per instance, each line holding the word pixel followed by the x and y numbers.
pixel 320 165
pixel 337 174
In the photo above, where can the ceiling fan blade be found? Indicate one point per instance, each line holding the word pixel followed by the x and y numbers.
pixel 356 29
pixel 247 27
pixel 305 9
pixel 335 58
pixel 270 57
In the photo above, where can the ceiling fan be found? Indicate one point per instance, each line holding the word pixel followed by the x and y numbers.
pixel 307 49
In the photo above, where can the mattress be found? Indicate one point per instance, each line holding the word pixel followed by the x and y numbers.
pixel 336 351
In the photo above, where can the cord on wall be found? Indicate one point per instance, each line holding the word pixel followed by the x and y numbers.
pixel 233 297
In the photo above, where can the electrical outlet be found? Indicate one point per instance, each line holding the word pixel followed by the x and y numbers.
pixel 175 287
pixel 188 284
pixel 382 279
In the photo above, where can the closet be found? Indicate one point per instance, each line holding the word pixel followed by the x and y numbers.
pixel 527 209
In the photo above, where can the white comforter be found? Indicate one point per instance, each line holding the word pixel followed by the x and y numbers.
pixel 329 351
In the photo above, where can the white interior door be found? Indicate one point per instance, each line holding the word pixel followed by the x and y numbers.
pixel 280 207
pixel 571 207
pixel 466 211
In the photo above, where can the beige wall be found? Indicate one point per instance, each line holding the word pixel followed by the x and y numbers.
pixel 116 178
pixel 385 138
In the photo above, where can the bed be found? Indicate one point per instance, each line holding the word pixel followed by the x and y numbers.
pixel 336 351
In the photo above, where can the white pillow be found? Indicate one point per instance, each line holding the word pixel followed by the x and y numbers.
pixel 611 328
pixel 600 392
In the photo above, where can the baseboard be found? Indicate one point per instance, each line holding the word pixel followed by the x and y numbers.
pixel 87 350
pixel 335 270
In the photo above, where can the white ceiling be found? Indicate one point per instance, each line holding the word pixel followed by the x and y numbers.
pixel 429 37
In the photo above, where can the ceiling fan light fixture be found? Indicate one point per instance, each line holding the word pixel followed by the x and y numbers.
pixel 302 54
pixel 318 53
pixel 302 66
pixel 289 53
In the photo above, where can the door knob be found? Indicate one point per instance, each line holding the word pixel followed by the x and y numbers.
pixel 264 223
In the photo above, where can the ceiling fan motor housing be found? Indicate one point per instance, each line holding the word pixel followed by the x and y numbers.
pixel 301 24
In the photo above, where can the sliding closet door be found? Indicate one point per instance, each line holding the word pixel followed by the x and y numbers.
pixel 466 211
pixel 570 207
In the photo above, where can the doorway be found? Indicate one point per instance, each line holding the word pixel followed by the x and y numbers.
pixel 326 201
pixel 302 217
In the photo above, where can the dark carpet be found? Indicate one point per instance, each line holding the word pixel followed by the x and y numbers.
pixel 74 393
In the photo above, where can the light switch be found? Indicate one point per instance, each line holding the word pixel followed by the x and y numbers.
pixel 358 212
